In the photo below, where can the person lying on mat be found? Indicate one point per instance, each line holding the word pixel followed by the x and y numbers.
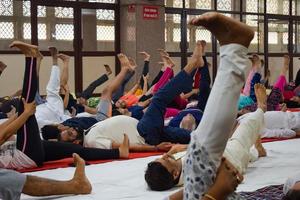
pixel 166 172
pixel 150 129
pixel 13 183
pixel 102 112
pixel 52 112
pixel 279 124
pixel 291 188
pixel 188 118
pixel 209 140
pixel 27 150
pixel 276 94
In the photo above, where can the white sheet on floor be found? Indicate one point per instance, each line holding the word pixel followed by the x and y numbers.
pixel 125 179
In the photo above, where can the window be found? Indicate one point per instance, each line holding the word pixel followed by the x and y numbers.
pixel 176 35
pixel 105 33
pixel 42 31
pixel 224 5
pixel 204 4
pixel 62 12
pixel 27 13
pixel 105 14
pixel 64 32
pixel 273 37
pixel 203 34
pixel 6 30
pixel 6 8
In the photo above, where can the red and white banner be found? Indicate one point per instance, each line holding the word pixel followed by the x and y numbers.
pixel 150 12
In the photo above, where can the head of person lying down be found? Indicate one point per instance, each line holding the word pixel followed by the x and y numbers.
pixel 291 188
pixel 63 133
pixel 121 104
pixel 163 173
pixel 188 122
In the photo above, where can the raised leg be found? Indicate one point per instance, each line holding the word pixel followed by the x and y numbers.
pixel 151 126
pixel 28 140
pixel 208 141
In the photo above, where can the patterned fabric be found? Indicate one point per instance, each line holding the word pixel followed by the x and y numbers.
pixel 272 102
pixel 198 160
pixel 274 192
pixel 93 102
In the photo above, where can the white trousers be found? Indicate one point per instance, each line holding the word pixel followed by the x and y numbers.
pixel 237 150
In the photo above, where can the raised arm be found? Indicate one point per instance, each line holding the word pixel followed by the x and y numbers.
pixel 12 128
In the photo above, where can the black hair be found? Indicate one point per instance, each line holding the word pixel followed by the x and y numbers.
pixel 159 178
pixel 50 132
pixel 292 195
pixel 116 112
pixel 80 135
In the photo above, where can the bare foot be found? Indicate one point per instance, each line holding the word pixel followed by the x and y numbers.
pixel 261 150
pixel 107 69
pixel 63 57
pixel 80 181
pixel 168 62
pixel 2 66
pixel 162 52
pixel 146 55
pixel 286 64
pixel 133 64
pixel 40 56
pixel 196 58
pixel 203 44
pixel 261 96
pixel 27 49
pixel 227 30
pixel 53 52
pixel 283 107
pixel 256 62
pixel 125 64
pixel 124 147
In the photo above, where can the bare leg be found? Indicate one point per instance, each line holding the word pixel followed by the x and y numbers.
pixel 53 52
pixel 65 72
pixel 261 96
pixel 115 84
pixel 124 147
pixel 196 59
pixel 286 64
pixel 108 70
pixel 39 59
pixel 79 184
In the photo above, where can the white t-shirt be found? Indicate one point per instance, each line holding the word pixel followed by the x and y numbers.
pixel 290 183
pixel 279 119
pixel 3 120
pixel 279 124
pixel 102 134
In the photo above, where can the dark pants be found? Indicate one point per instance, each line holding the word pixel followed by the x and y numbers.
pixel 297 80
pixel 204 86
pixel 28 136
pixel 256 79
pixel 120 91
pixel 88 92
pixel 151 126
pixel 145 72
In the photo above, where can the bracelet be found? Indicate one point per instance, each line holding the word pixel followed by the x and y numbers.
pixel 156 148
pixel 209 196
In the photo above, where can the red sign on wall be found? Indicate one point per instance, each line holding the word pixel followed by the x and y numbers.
pixel 131 8
pixel 150 12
